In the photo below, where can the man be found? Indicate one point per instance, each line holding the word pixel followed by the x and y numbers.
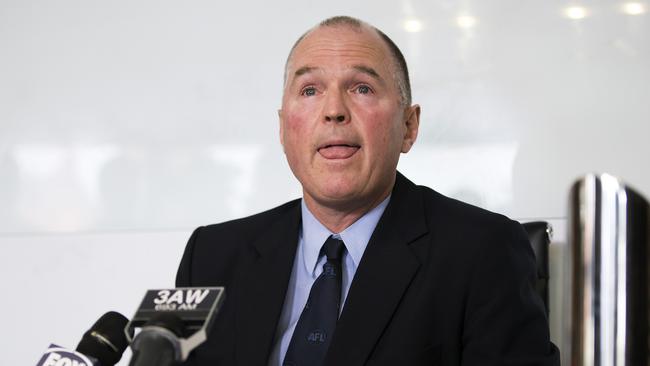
pixel 414 278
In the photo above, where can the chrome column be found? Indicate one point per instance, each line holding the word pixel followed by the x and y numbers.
pixel 609 239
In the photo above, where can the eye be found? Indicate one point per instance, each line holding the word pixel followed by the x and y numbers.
pixel 363 89
pixel 309 91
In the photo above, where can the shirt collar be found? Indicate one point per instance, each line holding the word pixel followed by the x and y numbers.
pixel 355 236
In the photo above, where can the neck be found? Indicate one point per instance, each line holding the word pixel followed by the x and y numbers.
pixel 337 217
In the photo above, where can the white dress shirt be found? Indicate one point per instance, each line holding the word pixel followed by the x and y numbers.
pixel 308 265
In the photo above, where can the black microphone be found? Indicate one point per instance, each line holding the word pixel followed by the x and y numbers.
pixel 174 322
pixel 102 345
pixel 106 340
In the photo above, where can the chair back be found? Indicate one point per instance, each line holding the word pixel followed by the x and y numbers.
pixel 540 234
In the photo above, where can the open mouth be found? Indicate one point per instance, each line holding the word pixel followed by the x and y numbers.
pixel 338 151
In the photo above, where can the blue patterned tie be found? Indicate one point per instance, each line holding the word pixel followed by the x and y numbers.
pixel 316 325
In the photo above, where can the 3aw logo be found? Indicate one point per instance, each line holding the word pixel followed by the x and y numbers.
pixel 58 356
pixel 179 299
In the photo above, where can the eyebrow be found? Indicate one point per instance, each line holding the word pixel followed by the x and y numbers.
pixel 368 71
pixel 304 70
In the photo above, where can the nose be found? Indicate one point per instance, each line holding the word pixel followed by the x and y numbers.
pixel 335 108
pixel 337 118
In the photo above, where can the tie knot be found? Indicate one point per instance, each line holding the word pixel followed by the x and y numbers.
pixel 333 248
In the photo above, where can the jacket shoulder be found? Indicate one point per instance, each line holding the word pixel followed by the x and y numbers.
pixel 213 252
pixel 248 227
pixel 461 215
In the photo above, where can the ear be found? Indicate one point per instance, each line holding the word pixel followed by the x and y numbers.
pixel 412 125
pixel 281 129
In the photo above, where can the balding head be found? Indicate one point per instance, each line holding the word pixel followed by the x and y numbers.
pixel 401 74
pixel 345 119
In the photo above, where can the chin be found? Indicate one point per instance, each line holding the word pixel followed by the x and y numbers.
pixel 341 186
pixel 342 198
pixel 337 195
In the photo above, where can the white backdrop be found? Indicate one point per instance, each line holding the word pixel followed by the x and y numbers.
pixel 125 124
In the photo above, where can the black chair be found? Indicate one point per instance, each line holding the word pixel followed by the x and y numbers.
pixel 540 234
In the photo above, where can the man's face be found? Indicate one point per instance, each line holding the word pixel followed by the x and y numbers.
pixel 342 122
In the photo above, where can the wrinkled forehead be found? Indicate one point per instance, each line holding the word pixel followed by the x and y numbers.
pixel 358 45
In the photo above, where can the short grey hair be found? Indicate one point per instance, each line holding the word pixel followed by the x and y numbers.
pixel 402 72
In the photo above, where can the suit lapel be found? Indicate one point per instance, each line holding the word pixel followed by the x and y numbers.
pixel 263 288
pixel 384 274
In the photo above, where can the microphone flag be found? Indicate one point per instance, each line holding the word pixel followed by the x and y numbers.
pixel 58 356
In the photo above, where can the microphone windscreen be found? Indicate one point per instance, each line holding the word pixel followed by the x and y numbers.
pixel 105 340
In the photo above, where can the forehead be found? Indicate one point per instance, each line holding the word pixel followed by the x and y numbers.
pixel 340 46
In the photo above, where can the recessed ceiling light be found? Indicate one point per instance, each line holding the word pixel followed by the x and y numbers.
pixel 575 12
pixel 466 21
pixel 633 8
pixel 412 25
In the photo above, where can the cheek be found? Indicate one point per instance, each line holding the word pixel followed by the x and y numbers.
pixel 293 127
pixel 294 131
pixel 382 129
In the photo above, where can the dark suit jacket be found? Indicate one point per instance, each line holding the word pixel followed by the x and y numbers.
pixel 440 283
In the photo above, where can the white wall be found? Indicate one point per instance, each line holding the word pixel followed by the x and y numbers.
pixel 125 124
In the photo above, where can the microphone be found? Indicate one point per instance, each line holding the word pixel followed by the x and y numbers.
pixel 106 340
pixel 174 322
pixel 102 345
pixel 57 355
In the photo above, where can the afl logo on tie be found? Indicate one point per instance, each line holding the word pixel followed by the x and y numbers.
pixel 316 336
